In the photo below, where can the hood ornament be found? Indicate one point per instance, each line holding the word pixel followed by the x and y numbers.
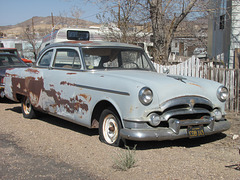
pixel 191 104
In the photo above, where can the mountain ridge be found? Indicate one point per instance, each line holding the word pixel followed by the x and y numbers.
pixel 44 23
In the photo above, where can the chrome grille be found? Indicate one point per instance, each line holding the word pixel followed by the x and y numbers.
pixel 185 111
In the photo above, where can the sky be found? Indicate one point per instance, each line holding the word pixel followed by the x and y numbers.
pixel 16 11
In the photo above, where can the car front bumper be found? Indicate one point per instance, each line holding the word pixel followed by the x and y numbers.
pixel 164 133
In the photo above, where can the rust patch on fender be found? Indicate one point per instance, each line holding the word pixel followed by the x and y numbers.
pixel 67 83
pixel 29 86
pixel 33 87
pixel 82 106
pixel 71 105
pixel 86 97
pixel 13 75
pixel 79 103
pixel 35 71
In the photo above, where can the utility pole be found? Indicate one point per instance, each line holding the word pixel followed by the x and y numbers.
pixel 33 26
pixel 119 19
pixel 52 19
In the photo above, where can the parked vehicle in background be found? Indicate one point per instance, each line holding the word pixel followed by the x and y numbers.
pixel 72 34
pixel 8 61
pixel 88 34
pixel 14 51
pixel 115 88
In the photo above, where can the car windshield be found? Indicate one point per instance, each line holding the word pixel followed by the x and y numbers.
pixel 6 61
pixel 116 58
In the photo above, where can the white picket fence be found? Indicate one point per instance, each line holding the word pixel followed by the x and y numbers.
pixel 202 69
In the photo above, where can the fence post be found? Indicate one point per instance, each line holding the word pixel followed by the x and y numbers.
pixel 237 57
pixel 238 90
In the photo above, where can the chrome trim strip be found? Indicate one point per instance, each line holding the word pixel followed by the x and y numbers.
pixel 103 90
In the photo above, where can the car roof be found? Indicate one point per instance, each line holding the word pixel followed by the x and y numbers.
pixel 4 48
pixel 98 44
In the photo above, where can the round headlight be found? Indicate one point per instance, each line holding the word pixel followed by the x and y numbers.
pixel 222 93
pixel 145 96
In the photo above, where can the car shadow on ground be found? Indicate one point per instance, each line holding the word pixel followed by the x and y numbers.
pixel 59 122
pixel 140 145
pixel 16 109
pixel 186 142
pixel 7 101
pixel 67 125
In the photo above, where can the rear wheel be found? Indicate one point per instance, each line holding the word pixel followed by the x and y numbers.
pixel 109 128
pixel 27 108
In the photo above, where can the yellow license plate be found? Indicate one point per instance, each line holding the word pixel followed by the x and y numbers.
pixel 195 131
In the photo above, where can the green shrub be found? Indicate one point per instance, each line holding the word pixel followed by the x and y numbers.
pixel 125 159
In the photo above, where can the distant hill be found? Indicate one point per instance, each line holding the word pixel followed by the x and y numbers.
pixel 41 24
pixel 56 19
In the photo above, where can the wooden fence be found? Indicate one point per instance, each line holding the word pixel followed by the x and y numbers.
pixel 208 70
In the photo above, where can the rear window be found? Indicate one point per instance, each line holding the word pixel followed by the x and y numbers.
pixel 9 51
pixel 10 61
pixel 78 35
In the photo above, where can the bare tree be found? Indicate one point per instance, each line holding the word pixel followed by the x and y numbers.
pixel 62 19
pixel 70 18
pixel 32 40
pixel 76 12
pixel 165 17
pixel 165 22
pixel 30 35
pixel 124 20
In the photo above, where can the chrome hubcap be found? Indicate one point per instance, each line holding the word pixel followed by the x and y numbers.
pixel 110 129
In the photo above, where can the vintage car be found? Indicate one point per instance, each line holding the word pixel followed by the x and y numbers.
pixel 8 61
pixel 14 51
pixel 115 88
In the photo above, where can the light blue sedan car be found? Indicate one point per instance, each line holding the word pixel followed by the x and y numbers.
pixel 115 88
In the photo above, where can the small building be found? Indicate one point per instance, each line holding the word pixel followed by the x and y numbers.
pixel 224 32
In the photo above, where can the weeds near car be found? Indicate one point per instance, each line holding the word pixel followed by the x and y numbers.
pixel 126 159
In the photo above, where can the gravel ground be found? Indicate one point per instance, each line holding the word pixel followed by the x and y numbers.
pixel 51 148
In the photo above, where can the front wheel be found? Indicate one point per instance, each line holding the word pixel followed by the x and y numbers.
pixel 109 128
pixel 27 108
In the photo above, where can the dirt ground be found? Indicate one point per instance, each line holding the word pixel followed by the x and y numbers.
pixel 75 152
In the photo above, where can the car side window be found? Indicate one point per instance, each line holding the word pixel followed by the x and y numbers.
pixel 67 58
pixel 46 59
